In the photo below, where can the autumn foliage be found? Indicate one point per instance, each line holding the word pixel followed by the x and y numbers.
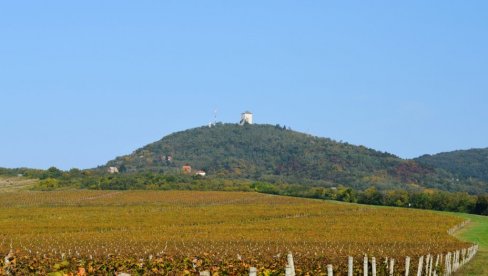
pixel 184 232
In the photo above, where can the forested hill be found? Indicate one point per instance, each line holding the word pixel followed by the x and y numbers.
pixel 464 164
pixel 276 154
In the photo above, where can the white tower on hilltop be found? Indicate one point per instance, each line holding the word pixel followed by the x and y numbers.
pixel 246 118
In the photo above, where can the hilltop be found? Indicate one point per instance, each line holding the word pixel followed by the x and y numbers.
pixel 465 164
pixel 276 154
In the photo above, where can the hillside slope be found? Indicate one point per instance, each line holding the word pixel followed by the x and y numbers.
pixel 464 164
pixel 272 153
pixel 13 184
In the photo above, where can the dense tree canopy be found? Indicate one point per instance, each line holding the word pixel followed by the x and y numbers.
pixel 276 154
pixel 465 164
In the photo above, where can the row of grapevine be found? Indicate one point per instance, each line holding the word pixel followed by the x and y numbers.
pixel 427 265
pixel 443 265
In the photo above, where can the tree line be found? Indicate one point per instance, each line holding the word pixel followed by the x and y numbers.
pixel 431 199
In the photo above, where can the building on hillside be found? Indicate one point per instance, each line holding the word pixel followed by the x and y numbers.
pixel 201 173
pixel 112 170
pixel 186 168
pixel 246 118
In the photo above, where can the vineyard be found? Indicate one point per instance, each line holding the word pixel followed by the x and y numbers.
pixel 185 232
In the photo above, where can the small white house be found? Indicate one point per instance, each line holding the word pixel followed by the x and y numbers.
pixel 201 173
pixel 246 118
pixel 112 170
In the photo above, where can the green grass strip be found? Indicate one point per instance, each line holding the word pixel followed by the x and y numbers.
pixel 475 232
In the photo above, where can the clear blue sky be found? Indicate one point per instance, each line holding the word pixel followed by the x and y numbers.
pixel 84 81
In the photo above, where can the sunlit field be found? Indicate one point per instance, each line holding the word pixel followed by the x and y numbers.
pixel 188 232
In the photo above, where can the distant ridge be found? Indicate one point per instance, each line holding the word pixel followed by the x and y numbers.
pixel 276 154
pixel 465 164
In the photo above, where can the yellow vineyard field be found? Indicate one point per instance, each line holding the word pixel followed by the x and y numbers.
pixel 185 232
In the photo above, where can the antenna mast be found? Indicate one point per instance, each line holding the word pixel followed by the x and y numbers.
pixel 211 124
